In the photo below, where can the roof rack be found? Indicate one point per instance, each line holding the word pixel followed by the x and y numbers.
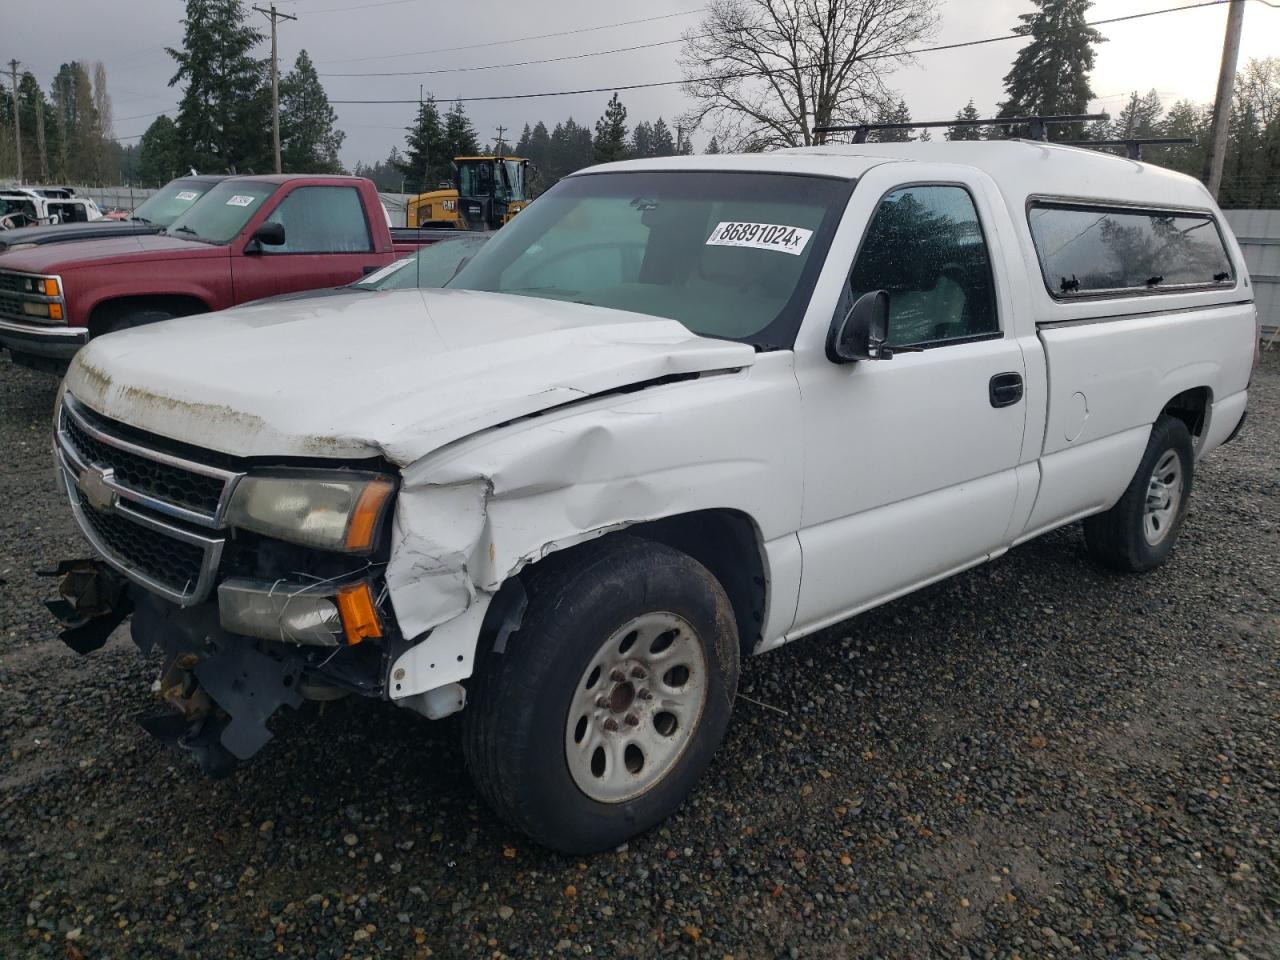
pixel 1133 145
pixel 1039 124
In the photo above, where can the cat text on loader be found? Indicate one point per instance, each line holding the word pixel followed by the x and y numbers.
pixel 486 193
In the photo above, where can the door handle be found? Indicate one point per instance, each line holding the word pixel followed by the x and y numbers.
pixel 1005 389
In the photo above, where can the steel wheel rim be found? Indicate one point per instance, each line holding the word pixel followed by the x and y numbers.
pixel 1164 497
pixel 636 707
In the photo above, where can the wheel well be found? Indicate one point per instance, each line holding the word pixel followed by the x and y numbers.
pixel 1191 407
pixel 180 305
pixel 723 541
pixel 726 543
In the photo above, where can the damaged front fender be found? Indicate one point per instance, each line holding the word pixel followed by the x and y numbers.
pixel 473 515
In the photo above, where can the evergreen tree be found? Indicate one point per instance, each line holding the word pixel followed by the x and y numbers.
pixel 522 145
pixel 160 152
pixel 8 155
pixel 539 144
pixel 891 112
pixel 970 112
pixel 1185 119
pixel 664 144
pixel 713 146
pixel 31 110
pixel 642 140
pixel 611 133
pixel 1139 118
pixel 1050 75
pixel 72 106
pixel 224 117
pixel 459 136
pixel 427 157
pixel 1250 176
pixel 308 141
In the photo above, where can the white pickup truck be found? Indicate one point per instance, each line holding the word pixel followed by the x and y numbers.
pixel 679 411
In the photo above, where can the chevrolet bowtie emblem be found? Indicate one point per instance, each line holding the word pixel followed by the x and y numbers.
pixel 95 487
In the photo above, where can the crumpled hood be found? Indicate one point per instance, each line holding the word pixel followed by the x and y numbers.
pixel 396 374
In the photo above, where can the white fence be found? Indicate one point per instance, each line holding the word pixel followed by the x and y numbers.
pixel 1258 232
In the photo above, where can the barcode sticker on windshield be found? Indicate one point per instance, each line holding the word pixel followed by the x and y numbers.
pixel 240 200
pixel 760 236
pixel 187 195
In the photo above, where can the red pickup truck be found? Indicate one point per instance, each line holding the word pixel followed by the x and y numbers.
pixel 246 238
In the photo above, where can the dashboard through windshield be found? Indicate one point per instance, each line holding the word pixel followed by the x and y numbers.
pixel 727 254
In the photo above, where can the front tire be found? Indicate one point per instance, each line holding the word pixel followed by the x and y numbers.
pixel 1140 531
pixel 608 703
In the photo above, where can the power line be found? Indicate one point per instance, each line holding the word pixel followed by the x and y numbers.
pixel 742 75
pixel 522 63
pixel 500 43
pixel 359 6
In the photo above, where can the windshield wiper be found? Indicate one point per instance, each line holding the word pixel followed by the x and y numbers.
pixel 140 220
pixel 172 231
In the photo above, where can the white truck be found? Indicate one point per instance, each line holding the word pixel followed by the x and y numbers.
pixel 679 411
pixel 30 206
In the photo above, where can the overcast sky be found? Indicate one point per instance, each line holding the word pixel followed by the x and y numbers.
pixel 1176 54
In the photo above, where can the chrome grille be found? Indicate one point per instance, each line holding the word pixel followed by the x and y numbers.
pixel 152 514
pixel 161 480
pixel 165 560
pixel 10 282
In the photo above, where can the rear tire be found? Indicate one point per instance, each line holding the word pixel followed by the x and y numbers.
pixel 608 703
pixel 1140 531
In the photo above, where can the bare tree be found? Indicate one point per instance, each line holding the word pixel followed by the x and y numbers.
pixel 764 73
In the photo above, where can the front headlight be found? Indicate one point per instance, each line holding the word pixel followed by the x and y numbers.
pixel 42 286
pixel 338 511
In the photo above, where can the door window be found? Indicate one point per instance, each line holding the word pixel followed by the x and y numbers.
pixel 69 212
pixel 321 220
pixel 925 247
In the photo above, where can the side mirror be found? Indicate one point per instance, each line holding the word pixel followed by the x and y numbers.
pixel 270 234
pixel 861 332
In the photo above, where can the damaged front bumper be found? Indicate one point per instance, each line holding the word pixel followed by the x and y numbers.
pixel 218 687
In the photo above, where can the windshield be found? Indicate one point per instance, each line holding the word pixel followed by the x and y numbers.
pixel 166 204
pixel 223 211
pixel 730 255
pixel 22 208
pixel 431 266
pixel 511 187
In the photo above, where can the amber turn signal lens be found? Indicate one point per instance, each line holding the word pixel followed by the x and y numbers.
pixel 364 518
pixel 55 311
pixel 51 288
pixel 359 618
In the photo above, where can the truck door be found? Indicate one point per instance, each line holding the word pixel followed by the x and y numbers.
pixel 910 462
pixel 327 243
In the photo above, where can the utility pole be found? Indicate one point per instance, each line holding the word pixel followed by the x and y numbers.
pixel 498 146
pixel 274 16
pixel 17 118
pixel 1222 102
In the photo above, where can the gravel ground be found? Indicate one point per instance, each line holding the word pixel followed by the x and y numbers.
pixel 1034 759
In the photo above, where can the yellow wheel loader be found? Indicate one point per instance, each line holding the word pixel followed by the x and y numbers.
pixel 486 193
